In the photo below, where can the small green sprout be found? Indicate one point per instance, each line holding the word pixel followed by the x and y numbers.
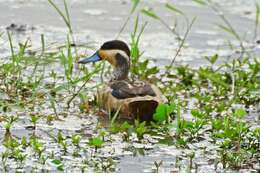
pixel 34 119
pixel 96 142
pixel 37 146
pixel 140 128
pixel 158 164
pixel 9 122
pixel 76 140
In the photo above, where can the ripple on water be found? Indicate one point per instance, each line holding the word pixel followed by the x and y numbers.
pixel 95 12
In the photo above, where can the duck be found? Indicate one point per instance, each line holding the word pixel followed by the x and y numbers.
pixel 133 99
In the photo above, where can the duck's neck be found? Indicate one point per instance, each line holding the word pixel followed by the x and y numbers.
pixel 121 69
pixel 121 73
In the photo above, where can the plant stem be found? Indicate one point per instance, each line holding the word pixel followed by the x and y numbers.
pixel 182 42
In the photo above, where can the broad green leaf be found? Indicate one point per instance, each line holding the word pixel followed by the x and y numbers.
pixel 161 113
pixel 240 113
pixel 256 132
pixel 217 124
pixel 59 165
pixel 171 108
pixel 56 162
pixel 125 126
pixel 96 142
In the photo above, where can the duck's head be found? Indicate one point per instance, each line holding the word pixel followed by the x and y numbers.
pixel 117 53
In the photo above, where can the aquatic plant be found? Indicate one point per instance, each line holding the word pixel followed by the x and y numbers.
pixel 9 122
pixel 96 142
pixel 34 119
pixel 163 111
pixel 158 164
pixel 149 12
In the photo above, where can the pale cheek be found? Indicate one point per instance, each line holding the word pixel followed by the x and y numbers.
pixel 106 56
pixel 102 54
pixel 111 61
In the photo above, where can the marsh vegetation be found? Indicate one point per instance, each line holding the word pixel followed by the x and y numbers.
pixel 50 121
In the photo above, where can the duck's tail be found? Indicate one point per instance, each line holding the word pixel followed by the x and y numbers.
pixel 143 110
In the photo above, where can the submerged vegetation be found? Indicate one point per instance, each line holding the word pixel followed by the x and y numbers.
pixel 211 118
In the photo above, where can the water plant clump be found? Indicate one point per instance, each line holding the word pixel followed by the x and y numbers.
pixel 50 120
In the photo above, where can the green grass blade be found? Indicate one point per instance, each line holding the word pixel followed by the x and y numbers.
pixel 11 45
pixel 201 2
pixel 174 9
pixel 257 15
pixel 43 44
pixel 60 13
pixel 150 13
pixel 136 25
pixel 229 30
pixel 141 32
pixel 178 118
pixel 115 116
pixel 67 15
pixel 135 4
pixel 23 48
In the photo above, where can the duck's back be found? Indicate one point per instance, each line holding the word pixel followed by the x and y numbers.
pixel 125 89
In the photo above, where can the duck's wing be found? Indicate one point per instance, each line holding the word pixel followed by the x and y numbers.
pixel 124 89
